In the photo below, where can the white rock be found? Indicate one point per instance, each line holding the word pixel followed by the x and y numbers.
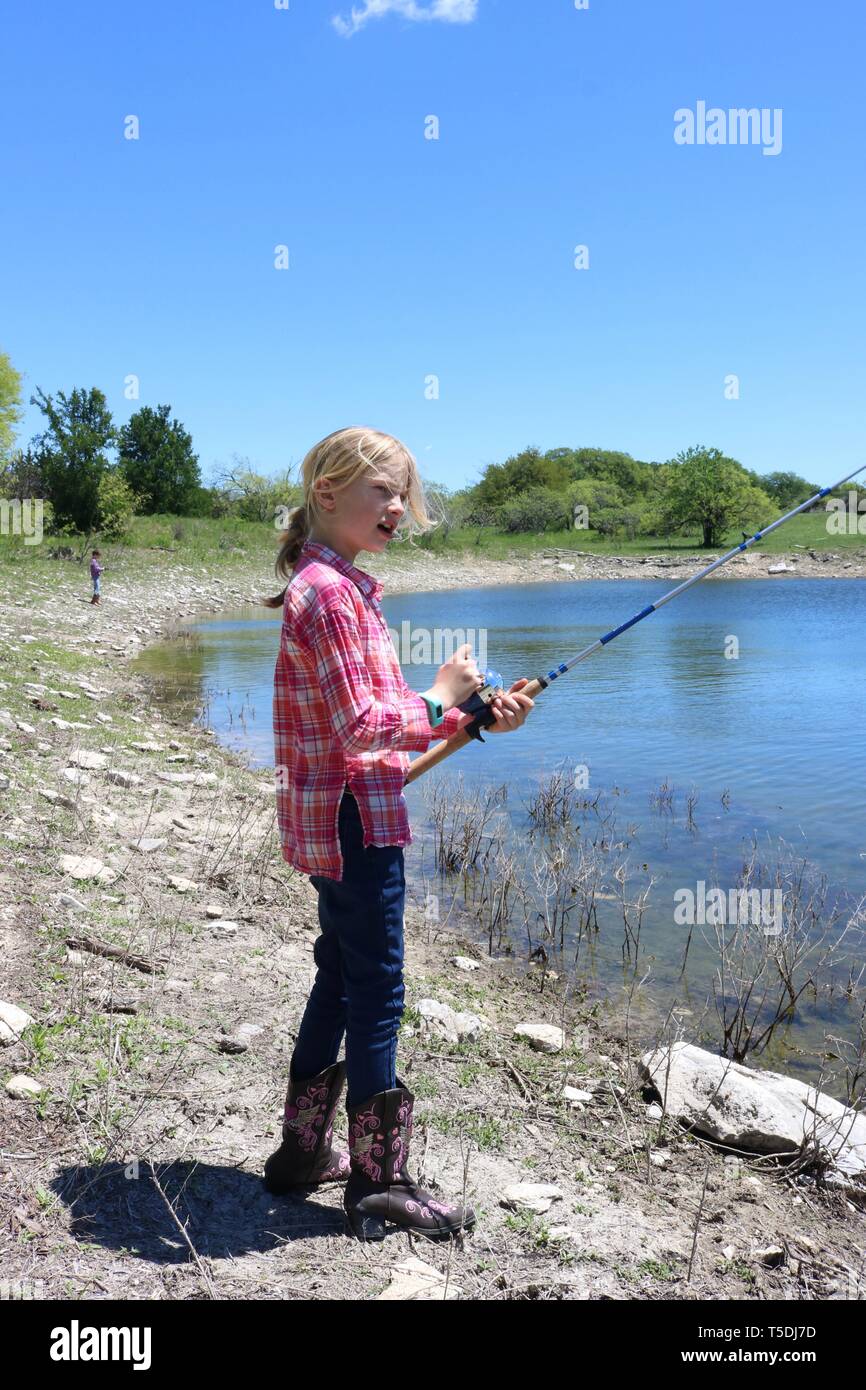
pixel 147 846
pixel 147 747
pixel 224 928
pixel 573 1093
pixel 183 885
pixel 543 1037
pixel 24 728
pixel 441 1020
pixel 531 1196
pixel 84 758
pixel 122 779
pixel 21 1087
pixel 760 1111
pixel 413 1281
pixel 212 910
pixel 781 568
pixel 84 866
pixel 13 1021
pixel 74 904
pixel 464 963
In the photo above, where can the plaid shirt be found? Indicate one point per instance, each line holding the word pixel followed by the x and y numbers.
pixel 343 714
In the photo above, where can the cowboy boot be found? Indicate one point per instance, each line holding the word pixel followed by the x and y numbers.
pixel 380 1187
pixel 305 1155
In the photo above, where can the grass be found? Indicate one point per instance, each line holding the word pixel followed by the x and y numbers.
pixel 208 545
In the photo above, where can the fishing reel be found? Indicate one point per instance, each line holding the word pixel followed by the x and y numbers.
pixel 478 704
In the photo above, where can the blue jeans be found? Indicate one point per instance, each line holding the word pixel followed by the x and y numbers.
pixel 96 585
pixel 359 953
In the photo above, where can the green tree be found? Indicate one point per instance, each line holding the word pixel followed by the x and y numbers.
pixel 706 489
pixel 253 496
pixel 787 489
pixel 157 460
pixel 116 501
pixel 71 453
pixel 10 404
pixel 519 473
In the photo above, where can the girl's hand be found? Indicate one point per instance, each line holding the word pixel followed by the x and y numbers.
pixel 510 710
pixel 457 678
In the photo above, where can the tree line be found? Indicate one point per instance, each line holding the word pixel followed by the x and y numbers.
pixel 95 476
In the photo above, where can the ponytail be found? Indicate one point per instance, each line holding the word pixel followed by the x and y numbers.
pixel 291 545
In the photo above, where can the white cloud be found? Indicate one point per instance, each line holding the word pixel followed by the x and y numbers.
pixel 451 11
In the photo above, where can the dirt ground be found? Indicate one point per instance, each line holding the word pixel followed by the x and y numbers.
pixel 136 1173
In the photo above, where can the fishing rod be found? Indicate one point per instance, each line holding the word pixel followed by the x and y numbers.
pixel 478 703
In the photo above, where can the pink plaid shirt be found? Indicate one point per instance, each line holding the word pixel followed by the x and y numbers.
pixel 343 714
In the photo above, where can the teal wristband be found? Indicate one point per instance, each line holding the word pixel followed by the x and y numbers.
pixel 434 711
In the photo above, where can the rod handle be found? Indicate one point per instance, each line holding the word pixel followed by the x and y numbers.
pixel 446 746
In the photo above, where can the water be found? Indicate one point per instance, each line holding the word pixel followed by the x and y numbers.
pixel 769 740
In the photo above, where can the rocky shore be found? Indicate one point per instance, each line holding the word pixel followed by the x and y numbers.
pixel 157 954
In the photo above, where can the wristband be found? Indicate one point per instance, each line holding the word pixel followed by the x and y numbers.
pixel 434 710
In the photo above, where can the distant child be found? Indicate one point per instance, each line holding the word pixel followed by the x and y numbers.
pixel 95 572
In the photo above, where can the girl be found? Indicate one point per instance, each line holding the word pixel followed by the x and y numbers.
pixel 344 720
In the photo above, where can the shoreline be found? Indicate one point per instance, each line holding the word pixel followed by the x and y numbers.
pixel 191 1058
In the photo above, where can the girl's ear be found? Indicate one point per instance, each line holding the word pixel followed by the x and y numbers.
pixel 324 490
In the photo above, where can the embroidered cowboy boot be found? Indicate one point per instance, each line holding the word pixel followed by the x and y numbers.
pixel 380 1187
pixel 305 1155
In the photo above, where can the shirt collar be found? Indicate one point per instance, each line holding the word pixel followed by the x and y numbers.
pixel 315 550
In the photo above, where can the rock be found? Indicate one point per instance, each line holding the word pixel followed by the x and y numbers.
pixel 563 566
pixel 212 910
pixel 659 1158
pixel 572 1094
pixel 21 1087
pixel 240 1039
pixel 74 904
pixel 413 1281
pixel 759 1111
pixel 147 747
pixel 84 758
pixel 178 758
pixel 543 1037
pixel 147 846
pixel 440 1020
pixel 464 962
pixel 83 866
pixel 104 718
pixel 13 1021
pixel 537 1197
pixel 122 779
pixel 223 928
pixel 5 783
pixel 654 1111
pixel 183 885
pixel 24 728
pixel 781 568
pixel 769 1255
pixel 174 745
pixel 102 815
pixel 78 778
pixel 183 779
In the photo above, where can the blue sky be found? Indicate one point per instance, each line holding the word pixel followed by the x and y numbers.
pixel 453 258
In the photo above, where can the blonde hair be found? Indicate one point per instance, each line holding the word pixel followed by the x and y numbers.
pixel 342 457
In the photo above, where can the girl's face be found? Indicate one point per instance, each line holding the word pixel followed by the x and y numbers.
pixel 363 515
